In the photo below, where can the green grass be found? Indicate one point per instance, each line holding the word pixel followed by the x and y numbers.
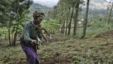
pixel 72 51
pixel 95 28
pixel 51 25
pixel 11 55
pixel 88 51
pixel 67 50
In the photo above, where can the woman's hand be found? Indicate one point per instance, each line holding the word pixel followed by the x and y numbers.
pixel 34 42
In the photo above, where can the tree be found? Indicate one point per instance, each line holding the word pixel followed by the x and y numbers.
pixel 5 16
pixel 11 13
pixel 76 17
pixel 20 8
pixel 68 11
pixel 70 21
pixel 4 11
pixel 110 13
pixel 86 20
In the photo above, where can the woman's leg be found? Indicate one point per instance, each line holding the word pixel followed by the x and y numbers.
pixel 32 56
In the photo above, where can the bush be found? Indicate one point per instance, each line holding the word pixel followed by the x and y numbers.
pixel 51 25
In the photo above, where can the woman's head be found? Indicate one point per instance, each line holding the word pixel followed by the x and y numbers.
pixel 38 17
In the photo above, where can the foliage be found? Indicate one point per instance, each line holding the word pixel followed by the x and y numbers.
pixel 96 27
pixel 51 25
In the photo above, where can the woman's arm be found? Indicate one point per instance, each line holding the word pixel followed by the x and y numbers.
pixel 26 33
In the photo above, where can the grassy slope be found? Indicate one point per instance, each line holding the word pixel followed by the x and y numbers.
pixel 73 51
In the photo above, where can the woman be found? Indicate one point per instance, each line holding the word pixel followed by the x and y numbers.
pixel 28 41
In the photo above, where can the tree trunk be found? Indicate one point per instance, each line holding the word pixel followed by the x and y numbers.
pixel 15 38
pixel 63 27
pixel 110 14
pixel 86 20
pixel 67 19
pixel 64 22
pixel 70 21
pixel 76 17
pixel 9 32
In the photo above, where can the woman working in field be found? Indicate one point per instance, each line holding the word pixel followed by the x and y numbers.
pixel 31 31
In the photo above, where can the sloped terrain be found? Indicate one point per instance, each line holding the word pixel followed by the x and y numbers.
pixel 72 51
pixel 106 34
pixel 88 51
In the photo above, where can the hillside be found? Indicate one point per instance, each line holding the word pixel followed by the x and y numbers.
pixel 71 51
pixel 39 7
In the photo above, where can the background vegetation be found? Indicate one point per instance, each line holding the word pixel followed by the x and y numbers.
pixel 80 34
